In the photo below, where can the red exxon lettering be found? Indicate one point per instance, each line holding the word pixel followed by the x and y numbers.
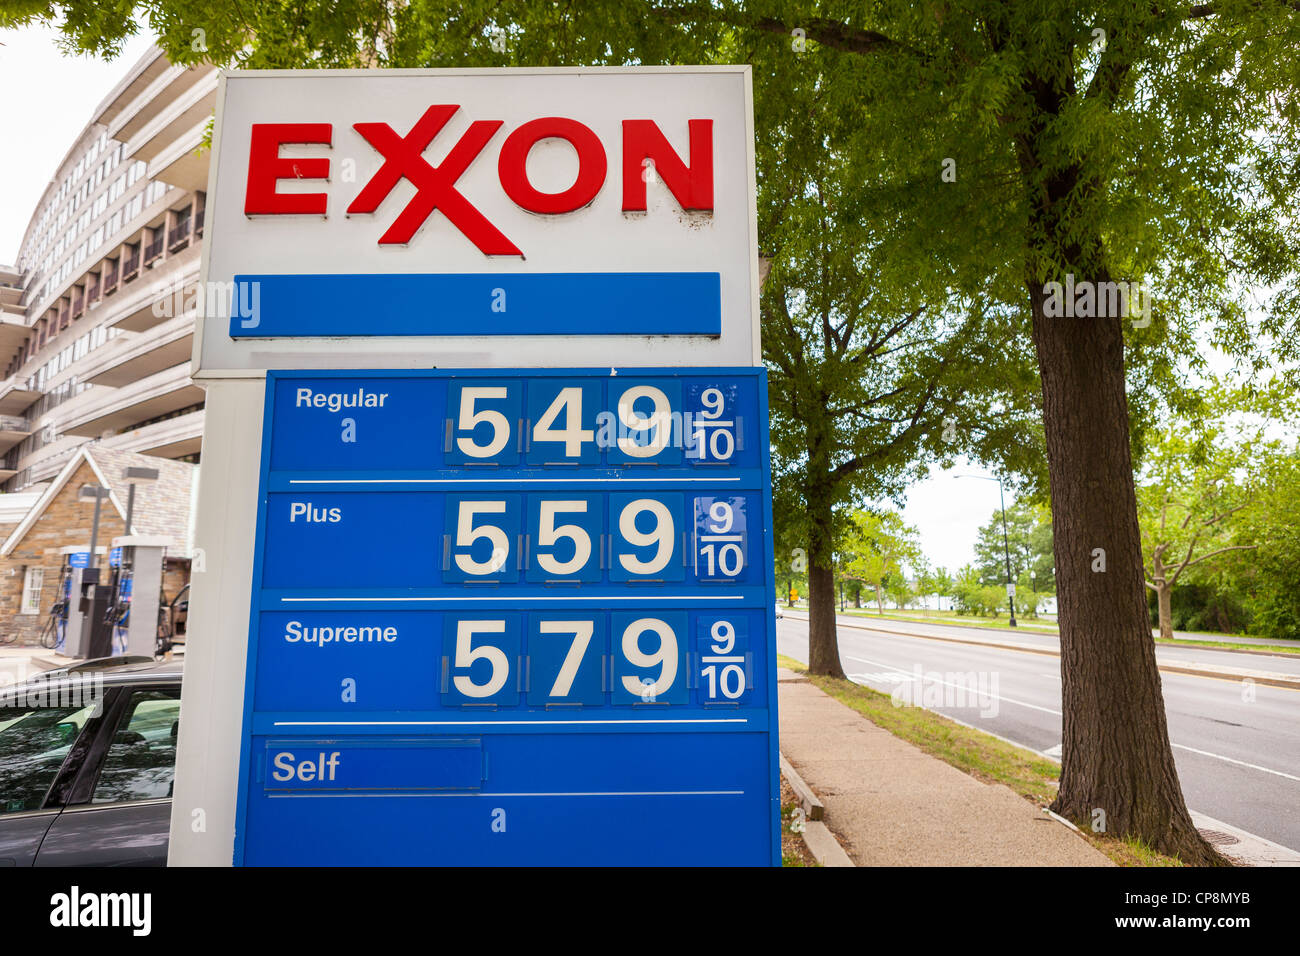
pixel 435 185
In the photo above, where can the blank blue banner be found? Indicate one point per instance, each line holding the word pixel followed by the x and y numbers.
pixel 576 303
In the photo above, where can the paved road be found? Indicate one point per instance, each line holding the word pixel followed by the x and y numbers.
pixel 1238 760
pixel 1034 625
pixel 1287 664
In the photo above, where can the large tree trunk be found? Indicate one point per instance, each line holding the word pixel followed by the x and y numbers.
pixel 1164 601
pixel 1117 768
pixel 823 646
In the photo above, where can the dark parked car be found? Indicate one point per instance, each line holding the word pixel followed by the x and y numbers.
pixel 87 759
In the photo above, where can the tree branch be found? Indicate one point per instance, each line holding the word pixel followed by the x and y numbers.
pixel 1235 547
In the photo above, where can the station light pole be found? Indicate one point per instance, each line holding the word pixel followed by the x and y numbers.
pixel 136 475
pixel 97 494
pixel 1006 547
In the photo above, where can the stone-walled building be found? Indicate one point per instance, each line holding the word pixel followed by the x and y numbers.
pixel 32 555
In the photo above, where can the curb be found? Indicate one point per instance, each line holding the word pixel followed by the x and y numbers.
pixel 811 805
pixel 821 842
pixel 1291 683
pixel 823 845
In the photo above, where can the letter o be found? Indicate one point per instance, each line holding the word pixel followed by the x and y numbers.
pixel 512 166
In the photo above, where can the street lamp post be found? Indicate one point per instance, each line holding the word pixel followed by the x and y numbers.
pixel 1006 547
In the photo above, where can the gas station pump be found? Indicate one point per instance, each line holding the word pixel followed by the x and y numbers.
pixel 72 559
pixel 85 634
pixel 132 611
pixel 118 612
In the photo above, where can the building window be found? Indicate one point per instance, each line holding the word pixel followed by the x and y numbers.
pixel 32 584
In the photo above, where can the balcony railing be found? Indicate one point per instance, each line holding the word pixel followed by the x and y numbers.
pixel 63 311
pixel 110 280
pixel 154 249
pixel 130 266
pixel 92 290
pixel 198 224
pixel 13 423
pixel 78 305
pixel 180 236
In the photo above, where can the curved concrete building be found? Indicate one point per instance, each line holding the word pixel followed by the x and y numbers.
pixel 93 347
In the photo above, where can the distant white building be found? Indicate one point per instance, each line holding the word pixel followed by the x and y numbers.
pixel 85 353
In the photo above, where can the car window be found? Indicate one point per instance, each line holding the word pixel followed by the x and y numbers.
pixel 33 744
pixel 141 760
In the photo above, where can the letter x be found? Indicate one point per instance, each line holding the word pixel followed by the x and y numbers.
pixel 436 185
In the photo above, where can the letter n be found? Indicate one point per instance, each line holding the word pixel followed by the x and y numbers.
pixel 691 185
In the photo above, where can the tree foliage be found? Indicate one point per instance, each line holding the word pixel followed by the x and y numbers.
pixel 1118 140
pixel 1028 540
pixel 1204 487
pixel 876 550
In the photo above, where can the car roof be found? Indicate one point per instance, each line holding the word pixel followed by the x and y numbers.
pixel 107 671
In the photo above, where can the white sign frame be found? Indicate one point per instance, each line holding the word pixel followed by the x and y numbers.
pixel 216 355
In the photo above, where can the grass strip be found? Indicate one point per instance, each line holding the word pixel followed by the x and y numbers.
pixel 1024 627
pixel 983 756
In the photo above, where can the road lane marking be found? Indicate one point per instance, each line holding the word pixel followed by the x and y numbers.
pixel 1009 700
pixel 1240 763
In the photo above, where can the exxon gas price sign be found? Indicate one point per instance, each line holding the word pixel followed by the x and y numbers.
pixel 511 574
pixel 566 217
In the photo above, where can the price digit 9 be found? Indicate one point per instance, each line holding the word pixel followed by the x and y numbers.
pixel 661 536
pixel 657 424
pixel 664 657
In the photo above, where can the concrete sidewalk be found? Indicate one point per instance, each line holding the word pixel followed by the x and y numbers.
pixel 890 804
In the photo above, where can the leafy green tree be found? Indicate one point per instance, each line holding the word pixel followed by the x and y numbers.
pixel 1269 577
pixel 790 557
pixel 1189 502
pixel 972 596
pixel 1029 541
pixel 927 169
pixel 941 585
pixel 900 590
pixel 1028 598
pixel 876 548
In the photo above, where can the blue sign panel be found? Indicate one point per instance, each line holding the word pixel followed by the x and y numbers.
pixel 512 617
pixel 571 303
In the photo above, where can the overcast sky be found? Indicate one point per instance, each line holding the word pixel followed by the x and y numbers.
pixel 52 97
pixel 49 98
